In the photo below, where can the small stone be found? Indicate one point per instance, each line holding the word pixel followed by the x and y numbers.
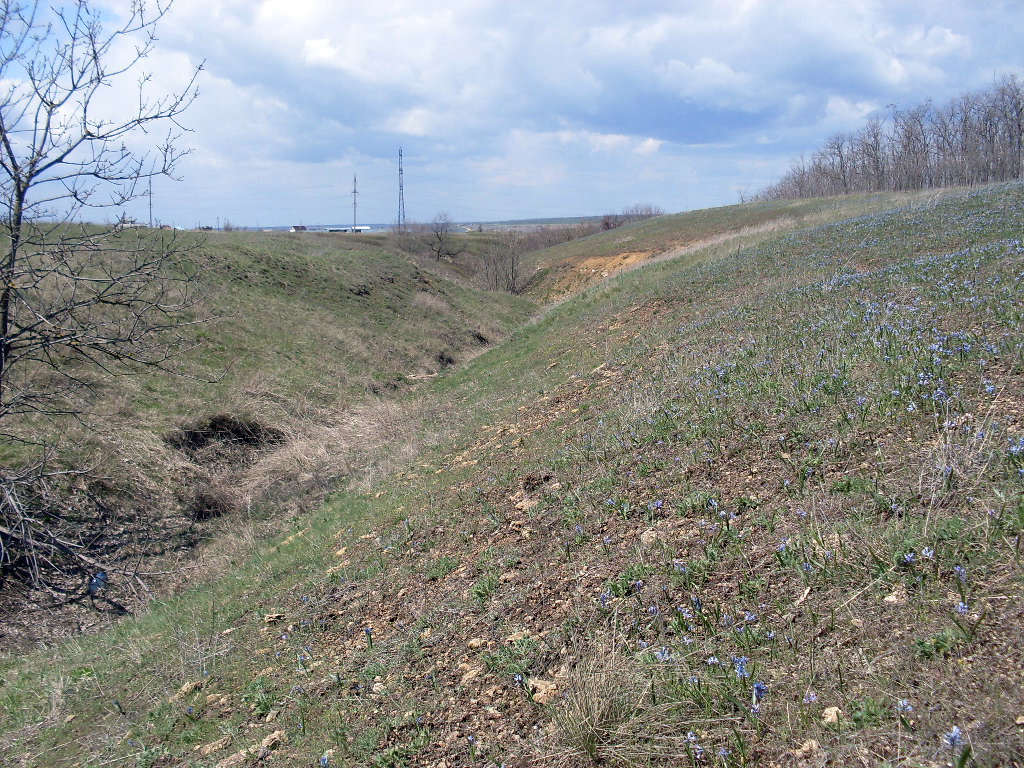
pixel 544 691
pixel 649 538
pixel 237 759
pixel 214 746
pixel 273 618
pixel 831 715
pixel 186 689
pixel 898 596
pixel 807 749
pixel 274 740
pixel 477 642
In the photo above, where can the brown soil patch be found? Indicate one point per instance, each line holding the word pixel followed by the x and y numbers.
pixel 571 277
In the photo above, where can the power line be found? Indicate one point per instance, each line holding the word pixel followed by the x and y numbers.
pixel 355 192
pixel 401 193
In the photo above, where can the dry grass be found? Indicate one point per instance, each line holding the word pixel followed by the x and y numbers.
pixel 612 714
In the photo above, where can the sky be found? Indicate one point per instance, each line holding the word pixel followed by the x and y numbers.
pixel 527 109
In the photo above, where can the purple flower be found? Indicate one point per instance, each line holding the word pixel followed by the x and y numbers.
pixel 810 697
pixel 760 691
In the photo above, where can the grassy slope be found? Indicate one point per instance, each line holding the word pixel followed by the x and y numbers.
pixel 798 459
pixel 565 269
pixel 330 316
pixel 310 327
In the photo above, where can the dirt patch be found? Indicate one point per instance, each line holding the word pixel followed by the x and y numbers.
pixel 573 276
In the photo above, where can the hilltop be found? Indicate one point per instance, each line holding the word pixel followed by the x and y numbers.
pixel 758 502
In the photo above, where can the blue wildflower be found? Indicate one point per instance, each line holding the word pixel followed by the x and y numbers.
pixel 954 738
pixel 760 691
pixel 740 662
pixel 810 697
pixel 96 583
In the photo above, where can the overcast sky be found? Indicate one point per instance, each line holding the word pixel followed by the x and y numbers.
pixel 513 110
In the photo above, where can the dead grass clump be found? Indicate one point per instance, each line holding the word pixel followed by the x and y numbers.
pixel 610 715
pixel 216 497
pixel 430 301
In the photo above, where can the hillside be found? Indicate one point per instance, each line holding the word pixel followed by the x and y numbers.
pixel 761 503
pixel 565 269
pixel 311 343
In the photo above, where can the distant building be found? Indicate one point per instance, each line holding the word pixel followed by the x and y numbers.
pixel 358 230
pixel 298 228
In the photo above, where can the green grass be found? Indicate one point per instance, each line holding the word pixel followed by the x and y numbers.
pixel 709 501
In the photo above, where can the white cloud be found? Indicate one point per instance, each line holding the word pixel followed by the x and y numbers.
pixel 496 96
pixel 648 147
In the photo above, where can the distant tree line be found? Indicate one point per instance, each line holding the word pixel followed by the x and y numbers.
pixel 975 139
pixel 630 214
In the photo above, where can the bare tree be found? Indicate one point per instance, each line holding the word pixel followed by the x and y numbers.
pixel 631 213
pixel 443 240
pixel 975 139
pixel 502 263
pixel 78 300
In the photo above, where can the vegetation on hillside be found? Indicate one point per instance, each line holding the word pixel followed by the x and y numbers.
pixel 759 504
pixel 977 138
pixel 283 396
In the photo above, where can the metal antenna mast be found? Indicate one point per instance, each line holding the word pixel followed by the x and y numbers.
pixel 401 193
pixel 354 194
